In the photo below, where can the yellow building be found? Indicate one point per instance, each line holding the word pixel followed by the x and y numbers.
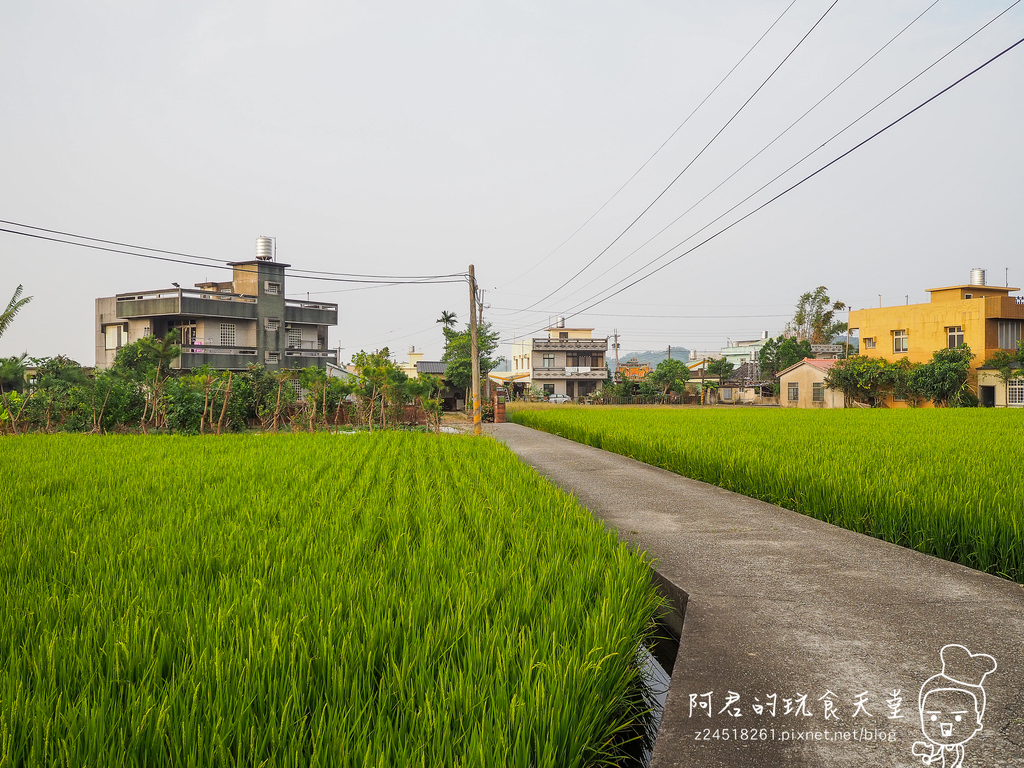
pixel 410 368
pixel 985 317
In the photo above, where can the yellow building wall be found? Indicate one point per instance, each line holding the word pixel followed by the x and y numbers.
pixel 571 333
pixel 926 326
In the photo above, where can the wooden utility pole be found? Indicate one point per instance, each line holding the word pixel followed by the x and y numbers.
pixel 616 334
pixel 474 350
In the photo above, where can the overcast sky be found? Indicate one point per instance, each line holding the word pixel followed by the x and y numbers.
pixel 412 138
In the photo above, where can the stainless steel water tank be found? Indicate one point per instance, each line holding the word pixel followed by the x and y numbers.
pixel 264 249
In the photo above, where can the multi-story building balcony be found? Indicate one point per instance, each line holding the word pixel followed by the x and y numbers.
pixel 571 372
pixel 310 312
pixel 225 325
pixel 217 357
pixel 304 358
pixel 186 301
pixel 571 344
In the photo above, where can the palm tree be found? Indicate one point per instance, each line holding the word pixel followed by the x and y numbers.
pixel 447 318
pixel 7 316
pixel 12 373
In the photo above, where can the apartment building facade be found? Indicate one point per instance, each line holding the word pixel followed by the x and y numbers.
pixel 568 361
pixel 227 325
pixel 985 317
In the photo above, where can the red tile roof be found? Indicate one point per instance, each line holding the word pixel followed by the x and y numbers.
pixel 823 365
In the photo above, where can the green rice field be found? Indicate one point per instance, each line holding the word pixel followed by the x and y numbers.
pixel 948 482
pixel 388 599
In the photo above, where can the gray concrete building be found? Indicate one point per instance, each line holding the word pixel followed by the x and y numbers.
pixel 226 325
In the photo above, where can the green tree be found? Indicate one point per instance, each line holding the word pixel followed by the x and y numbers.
pixel 316 384
pixel 380 388
pixel 458 357
pixel 814 319
pixel 12 373
pixel 1010 365
pixel 447 319
pixel 861 378
pixel 722 368
pixel 424 391
pixel 779 353
pixel 670 376
pixel 943 380
pixel 13 306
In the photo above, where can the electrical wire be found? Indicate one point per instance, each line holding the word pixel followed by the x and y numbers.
pixel 779 136
pixel 384 280
pixel 802 159
pixel 802 181
pixel 695 157
pixel 671 136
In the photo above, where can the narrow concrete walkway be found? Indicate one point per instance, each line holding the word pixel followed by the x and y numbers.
pixel 781 604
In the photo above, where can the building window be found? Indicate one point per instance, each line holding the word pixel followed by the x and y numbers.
pixel 294 337
pixel 227 334
pixel 563 334
pixel 1009 333
pixel 727 394
pixel 899 341
pixel 272 289
pixel 116 336
pixel 869 343
pixel 793 388
pixel 548 361
pixel 549 389
pixel 272 324
pixel 818 392
pixel 581 359
pixel 273 358
pixel 1015 392
pixel 954 336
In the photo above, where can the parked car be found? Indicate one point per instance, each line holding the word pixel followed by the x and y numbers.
pixel 559 399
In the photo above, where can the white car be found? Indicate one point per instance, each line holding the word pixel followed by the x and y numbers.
pixel 558 399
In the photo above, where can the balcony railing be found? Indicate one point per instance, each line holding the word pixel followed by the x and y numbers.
pixel 571 372
pixel 214 349
pixel 581 344
pixel 309 304
pixel 178 293
pixel 306 345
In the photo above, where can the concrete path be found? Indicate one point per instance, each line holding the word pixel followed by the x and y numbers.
pixel 778 604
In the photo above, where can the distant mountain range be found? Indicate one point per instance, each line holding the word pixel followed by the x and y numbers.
pixel 649 356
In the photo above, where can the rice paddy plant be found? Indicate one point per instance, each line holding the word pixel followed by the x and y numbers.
pixel 388 599
pixel 943 482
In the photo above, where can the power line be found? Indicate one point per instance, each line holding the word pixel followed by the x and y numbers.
pixel 377 280
pixel 658 150
pixel 686 317
pixel 817 149
pixel 772 142
pixel 803 180
pixel 695 157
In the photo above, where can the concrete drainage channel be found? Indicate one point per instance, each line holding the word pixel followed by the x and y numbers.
pixel 660 656
pixel 657 658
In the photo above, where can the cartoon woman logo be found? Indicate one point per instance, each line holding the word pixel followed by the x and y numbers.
pixel 952 704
